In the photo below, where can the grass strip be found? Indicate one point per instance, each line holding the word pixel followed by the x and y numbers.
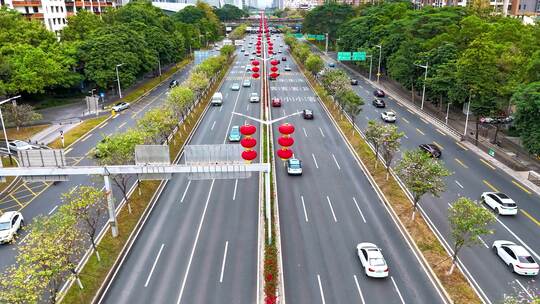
pixel 25 133
pixel 456 284
pixel 77 132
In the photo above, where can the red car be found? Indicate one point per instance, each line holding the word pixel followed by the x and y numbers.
pixel 276 102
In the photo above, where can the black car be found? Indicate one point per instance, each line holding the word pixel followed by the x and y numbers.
pixel 307 114
pixel 432 149
pixel 378 93
pixel 354 81
pixel 332 65
pixel 283 58
pixel 378 103
pixel 173 83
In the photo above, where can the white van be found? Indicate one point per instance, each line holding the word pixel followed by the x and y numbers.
pixel 217 99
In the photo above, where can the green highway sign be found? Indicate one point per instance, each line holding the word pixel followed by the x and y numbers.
pixel 359 56
pixel 298 36
pixel 344 56
pixel 315 37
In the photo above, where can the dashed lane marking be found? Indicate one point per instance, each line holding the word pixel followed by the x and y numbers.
pixel 521 187
pixel 490 185
pixel 487 164
pixel 530 217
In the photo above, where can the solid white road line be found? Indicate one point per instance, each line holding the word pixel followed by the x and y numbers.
pixel 247 108
pixel 224 260
pixel 397 289
pixel 73 190
pixel 304 131
pixel 321 290
pixel 86 137
pixel 153 266
pixel 185 191
pixel 235 186
pixel 359 290
pixel 68 150
pixel 331 208
pixel 525 289
pixel 460 185
pixel 335 160
pixel 483 243
pixel 122 124
pixel 103 125
pixel 358 208
pixel 52 210
pixel 304 206
pixel 315 161
pixel 213 125
pixel 195 244
pixel 321 131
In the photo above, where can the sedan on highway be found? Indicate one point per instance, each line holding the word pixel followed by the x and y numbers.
pixel 431 149
pixel 379 93
pixel 372 260
pixel 10 223
pixel 294 166
pixel 354 81
pixel 121 106
pixel 517 258
pixel 254 97
pixel 276 102
pixel 332 64
pixel 378 103
pixel 307 114
pixel 246 83
pixel 388 116
pixel 173 83
pixel 287 68
pixel 235 87
pixel 234 134
pixel 283 58
pixel 499 202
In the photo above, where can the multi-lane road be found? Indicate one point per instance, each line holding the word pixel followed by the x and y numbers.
pixel 472 175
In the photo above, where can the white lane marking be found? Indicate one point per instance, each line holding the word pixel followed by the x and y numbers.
pixel 235 186
pixel 358 208
pixel 359 290
pixel 87 136
pixel 460 185
pixel 304 131
pixel 153 266
pixel 103 125
pixel 224 260
pixel 519 239
pixel 320 288
pixel 247 108
pixel 220 108
pixel 335 160
pixel 213 125
pixel 68 150
pixel 315 161
pixel 284 114
pixel 52 210
pixel 405 135
pixel 185 191
pixel 483 243
pixel 122 124
pixel 397 289
pixel 525 289
pixel 321 131
pixel 116 115
pixel 331 208
pixel 73 190
pixel 304 205
pixel 195 244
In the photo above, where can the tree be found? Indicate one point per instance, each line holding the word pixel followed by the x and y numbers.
pixel 527 116
pixel 20 114
pixel 314 64
pixel 20 285
pixel 352 103
pixel 179 99
pixel 157 124
pixel 229 12
pixel 421 174
pixel 390 145
pixel 468 221
pixel 89 206
pixel 80 26
pixel 197 82
pixel 327 18
pixel 374 135
pixel 335 82
pixel 227 50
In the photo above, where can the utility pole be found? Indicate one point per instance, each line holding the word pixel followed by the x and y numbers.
pixel 118 79
pixel 467 118
pixel 326 47
pixel 370 65
pixel 425 78
pixel 379 69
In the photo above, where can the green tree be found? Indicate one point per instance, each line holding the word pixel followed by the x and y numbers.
pixel 197 82
pixel 468 221
pixel 20 285
pixel 179 100
pixel 229 12
pixel 239 32
pixel 314 64
pixel 352 103
pixel 374 135
pixel 327 18
pixel 421 174
pixel 527 116
pixel 390 143
pixel 157 124
pixel 335 82
pixel 80 26
pixel 20 114
pixel 227 50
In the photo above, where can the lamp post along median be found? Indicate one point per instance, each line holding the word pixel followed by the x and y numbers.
pixel 379 69
pixel 118 79
pixel 4 125
pixel 424 87
pixel 370 65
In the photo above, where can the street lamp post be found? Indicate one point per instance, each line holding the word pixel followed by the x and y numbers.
pixel 159 65
pixel 379 69
pixel 370 65
pixel 4 125
pixel 467 117
pixel 326 45
pixel 425 78
pixel 447 112
pixel 118 79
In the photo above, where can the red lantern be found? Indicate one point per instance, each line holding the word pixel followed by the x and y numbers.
pixel 274 75
pixel 270 47
pixel 249 155
pixel 274 69
pixel 247 130
pixel 274 62
pixel 258 47
pixel 284 141
pixel 285 128
pixel 255 62
pixel 255 69
pixel 255 75
pixel 284 153
pixel 248 142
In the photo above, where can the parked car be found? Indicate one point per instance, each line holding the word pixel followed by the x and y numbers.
pixel 354 81
pixel 307 114
pixel 254 97
pixel 173 83
pixel 276 102
pixel 499 202
pixel 121 106
pixel 235 87
pixel 294 166
pixel 234 134
pixel 431 149
pixel 246 83
pixel 379 103
pixel 372 260
pixel 10 223
pixel 517 258
pixel 19 145
pixel 379 93
pixel 388 116
pixel 287 68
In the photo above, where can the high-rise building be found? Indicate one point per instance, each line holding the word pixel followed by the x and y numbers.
pixel 514 7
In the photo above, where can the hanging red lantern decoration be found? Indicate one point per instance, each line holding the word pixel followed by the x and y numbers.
pixel 274 75
pixel 284 153
pixel 274 69
pixel 285 141
pixel 285 128
pixel 248 142
pixel 255 69
pixel 274 62
pixel 249 155
pixel 255 62
pixel 247 130
pixel 270 47
pixel 255 75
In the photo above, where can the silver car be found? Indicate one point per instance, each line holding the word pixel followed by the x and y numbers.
pixel 121 106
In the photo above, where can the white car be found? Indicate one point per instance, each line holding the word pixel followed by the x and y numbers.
pixel 388 116
pixel 121 106
pixel 235 87
pixel 10 223
pixel 499 202
pixel 516 258
pixel 19 145
pixel 246 83
pixel 372 260
pixel 254 97
pixel 294 166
